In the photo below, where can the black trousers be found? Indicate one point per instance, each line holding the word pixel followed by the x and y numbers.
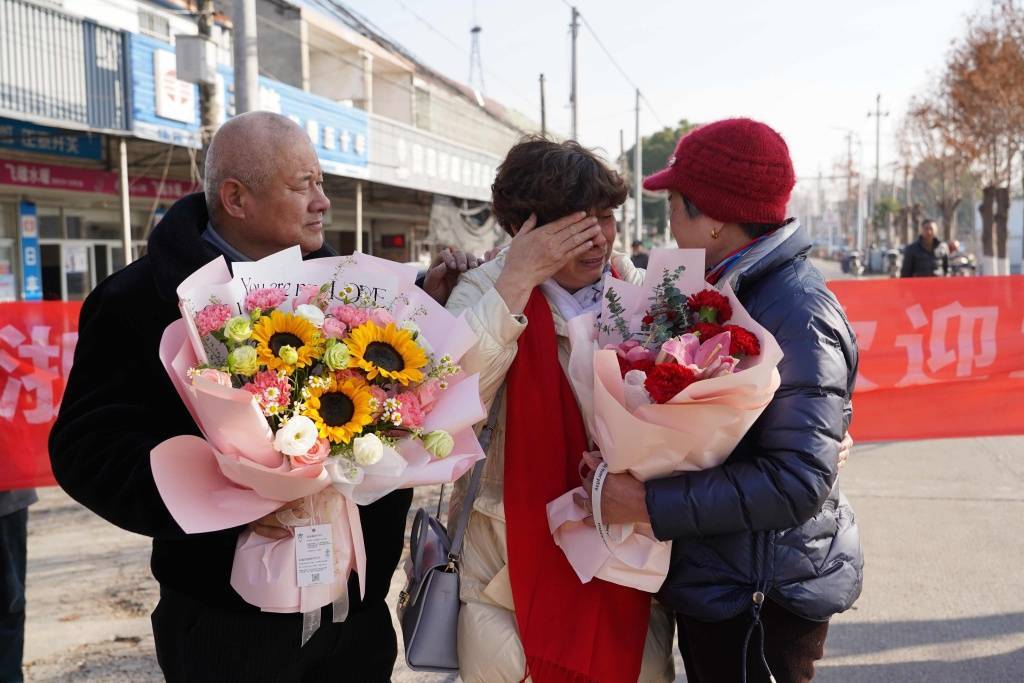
pixel 13 535
pixel 713 652
pixel 196 644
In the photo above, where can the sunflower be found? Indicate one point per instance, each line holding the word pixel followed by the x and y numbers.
pixel 341 409
pixel 388 351
pixel 278 330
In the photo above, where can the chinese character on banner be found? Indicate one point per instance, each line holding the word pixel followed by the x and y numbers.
pixel 939 357
pixel 37 344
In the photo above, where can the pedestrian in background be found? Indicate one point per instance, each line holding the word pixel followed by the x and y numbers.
pixel 13 538
pixel 639 257
pixel 927 256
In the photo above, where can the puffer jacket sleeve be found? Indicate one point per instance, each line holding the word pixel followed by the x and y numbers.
pixel 498 329
pixel 792 450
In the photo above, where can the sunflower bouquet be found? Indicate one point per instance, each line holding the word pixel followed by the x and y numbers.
pixel 670 377
pixel 323 384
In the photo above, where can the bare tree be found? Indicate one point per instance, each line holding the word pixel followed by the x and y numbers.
pixel 929 136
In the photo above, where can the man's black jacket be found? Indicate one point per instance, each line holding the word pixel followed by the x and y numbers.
pixel 120 403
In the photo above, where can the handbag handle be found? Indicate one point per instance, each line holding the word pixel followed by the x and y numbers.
pixel 474 483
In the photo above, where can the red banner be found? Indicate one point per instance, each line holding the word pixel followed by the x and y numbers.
pixel 939 357
pixel 37 345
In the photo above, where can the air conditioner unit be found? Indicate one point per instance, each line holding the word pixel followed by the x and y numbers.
pixel 196 58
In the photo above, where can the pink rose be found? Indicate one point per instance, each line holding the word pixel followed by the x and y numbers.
pixel 317 454
pixel 213 375
pixel 306 294
pixel 428 393
pixel 379 395
pixel 352 316
pixel 632 351
pixel 334 328
pixel 381 317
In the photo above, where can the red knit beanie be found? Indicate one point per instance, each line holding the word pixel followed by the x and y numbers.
pixel 735 171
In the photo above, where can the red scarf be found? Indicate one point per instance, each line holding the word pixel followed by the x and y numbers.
pixel 571 632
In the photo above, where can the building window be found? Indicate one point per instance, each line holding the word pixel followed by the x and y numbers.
pixel 155 25
pixel 422 105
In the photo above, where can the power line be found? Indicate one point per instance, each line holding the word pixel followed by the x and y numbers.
pixel 462 49
pixel 615 63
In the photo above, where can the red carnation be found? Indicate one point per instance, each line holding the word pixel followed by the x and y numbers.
pixel 706 330
pixel 744 343
pixel 710 306
pixel 644 364
pixel 665 380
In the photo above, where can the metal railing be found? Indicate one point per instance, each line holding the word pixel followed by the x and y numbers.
pixel 61 68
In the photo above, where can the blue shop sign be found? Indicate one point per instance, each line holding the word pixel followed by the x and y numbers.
pixel 28 236
pixel 28 137
pixel 339 133
pixel 162 107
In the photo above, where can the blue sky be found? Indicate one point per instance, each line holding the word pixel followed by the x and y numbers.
pixel 810 69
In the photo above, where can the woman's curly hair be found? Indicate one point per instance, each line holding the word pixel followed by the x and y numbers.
pixel 552 179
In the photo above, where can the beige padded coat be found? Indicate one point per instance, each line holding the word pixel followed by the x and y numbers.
pixel 489 646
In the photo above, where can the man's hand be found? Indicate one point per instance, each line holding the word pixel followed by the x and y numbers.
pixel 444 273
pixel 623 497
pixel 271 526
pixel 845 446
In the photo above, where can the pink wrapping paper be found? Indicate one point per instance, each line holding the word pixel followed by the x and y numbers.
pixel 696 430
pixel 235 476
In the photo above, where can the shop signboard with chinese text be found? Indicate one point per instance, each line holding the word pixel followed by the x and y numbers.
pixel 340 133
pixel 27 137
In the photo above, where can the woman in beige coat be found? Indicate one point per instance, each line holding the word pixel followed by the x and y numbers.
pixel 566 259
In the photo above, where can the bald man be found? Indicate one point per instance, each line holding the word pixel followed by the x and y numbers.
pixel 263 193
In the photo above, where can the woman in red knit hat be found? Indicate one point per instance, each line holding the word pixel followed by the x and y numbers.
pixel 767 549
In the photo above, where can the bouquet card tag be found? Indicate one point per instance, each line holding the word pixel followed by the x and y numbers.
pixel 314 555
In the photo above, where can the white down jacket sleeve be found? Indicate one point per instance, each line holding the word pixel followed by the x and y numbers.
pixel 489 316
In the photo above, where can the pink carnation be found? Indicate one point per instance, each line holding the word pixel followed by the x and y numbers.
pixel 212 317
pixel 265 298
pixel 412 411
pixel 306 294
pixel 352 316
pixel 273 393
pixel 334 328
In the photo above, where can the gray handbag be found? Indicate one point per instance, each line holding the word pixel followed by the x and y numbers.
pixel 428 608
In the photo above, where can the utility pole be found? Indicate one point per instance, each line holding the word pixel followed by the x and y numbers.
pixel 574 93
pixel 624 170
pixel 543 109
pixel 849 184
pixel 247 70
pixel 207 91
pixel 878 114
pixel 638 175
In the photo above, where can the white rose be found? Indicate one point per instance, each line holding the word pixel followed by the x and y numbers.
pixel 417 334
pixel 296 437
pixel 367 450
pixel 311 313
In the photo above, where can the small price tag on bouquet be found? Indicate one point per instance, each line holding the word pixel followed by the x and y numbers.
pixel 314 555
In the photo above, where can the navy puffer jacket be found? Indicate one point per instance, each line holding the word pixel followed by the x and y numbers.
pixel 771 519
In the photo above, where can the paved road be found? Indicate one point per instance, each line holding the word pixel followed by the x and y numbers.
pixel 942 523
